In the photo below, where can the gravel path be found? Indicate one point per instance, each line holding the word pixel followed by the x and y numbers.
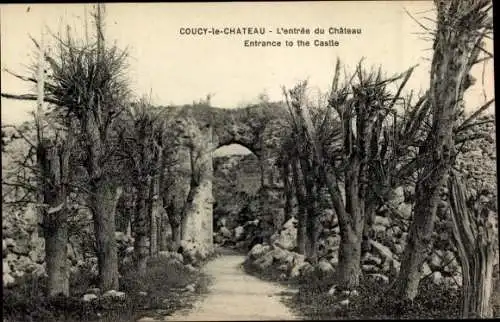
pixel 235 295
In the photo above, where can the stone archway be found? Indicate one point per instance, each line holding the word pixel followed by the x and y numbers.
pixel 201 130
pixel 236 184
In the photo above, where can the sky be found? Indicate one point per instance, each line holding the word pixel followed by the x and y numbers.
pixel 178 69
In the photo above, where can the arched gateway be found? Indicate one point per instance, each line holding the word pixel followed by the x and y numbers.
pixel 201 130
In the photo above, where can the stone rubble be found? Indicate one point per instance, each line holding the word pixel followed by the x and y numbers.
pixel 386 247
pixel 23 245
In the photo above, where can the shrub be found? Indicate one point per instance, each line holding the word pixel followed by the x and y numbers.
pixel 163 284
pixel 374 302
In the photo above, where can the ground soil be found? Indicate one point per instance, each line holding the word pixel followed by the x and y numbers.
pixel 234 295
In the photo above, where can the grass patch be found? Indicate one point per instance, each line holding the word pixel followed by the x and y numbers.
pixel 313 302
pixel 373 302
pixel 163 283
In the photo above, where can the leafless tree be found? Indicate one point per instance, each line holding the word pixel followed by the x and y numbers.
pixel 86 83
pixel 344 156
pixel 458 42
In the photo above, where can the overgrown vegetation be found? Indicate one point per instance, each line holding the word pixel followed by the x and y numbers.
pixel 456 51
pixel 314 300
pixel 82 154
pixel 342 159
pixel 374 303
pixel 160 292
pixel 366 141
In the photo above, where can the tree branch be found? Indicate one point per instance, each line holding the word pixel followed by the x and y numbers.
pixel 474 115
pixel 23 78
pixel 29 97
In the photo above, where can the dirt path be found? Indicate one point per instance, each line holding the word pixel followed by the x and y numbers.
pixel 234 295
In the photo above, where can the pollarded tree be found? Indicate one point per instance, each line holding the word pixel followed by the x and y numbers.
pixel 43 180
pixel 299 171
pixel 362 108
pixel 300 174
pixel 176 179
pixel 166 159
pixel 458 42
pixel 137 137
pixel 174 197
pixel 53 158
pixel 86 84
pixel 46 180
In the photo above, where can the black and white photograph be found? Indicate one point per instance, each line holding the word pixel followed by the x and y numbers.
pixel 248 161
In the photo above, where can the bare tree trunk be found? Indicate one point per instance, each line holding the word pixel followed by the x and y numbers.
pixel 419 240
pixel 350 249
pixel 53 160
pixel 349 268
pixel 301 229
pixel 312 233
pixel 126 204
pixel 455 51
pixel 301 213
pixel 476 251
pixel 368 228
pixel 128 214
pixel 56 239
pixel 157 183
pixel 158 234
pixel 56 254
pixel 183 229
pixel 153 240
pixel 129 228
pixel 288 191
pixel 312 220
pixel 351 232
pixel 312 226
pixel 103 195
pixel 153 226
pixel 176 235
pixel 163 191
pixel 163 243
pixel 174 218
pixel 102 202
pixel 141 228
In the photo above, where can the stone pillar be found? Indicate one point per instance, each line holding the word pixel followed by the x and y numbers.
pixel 272 192
pixel 198 227
pixel 198 222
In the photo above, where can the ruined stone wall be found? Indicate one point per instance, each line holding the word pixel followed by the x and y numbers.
pixel 257 128
pixel 477 164
pixel 201 129
pixel 204 129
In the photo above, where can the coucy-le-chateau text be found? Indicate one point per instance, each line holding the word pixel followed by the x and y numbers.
pixel 201 31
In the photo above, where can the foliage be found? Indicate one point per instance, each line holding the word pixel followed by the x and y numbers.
pixel 433 302
pixel 140 132
pixel 163 283
pixel 313 301
pixel 456 50
pixel 352 145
